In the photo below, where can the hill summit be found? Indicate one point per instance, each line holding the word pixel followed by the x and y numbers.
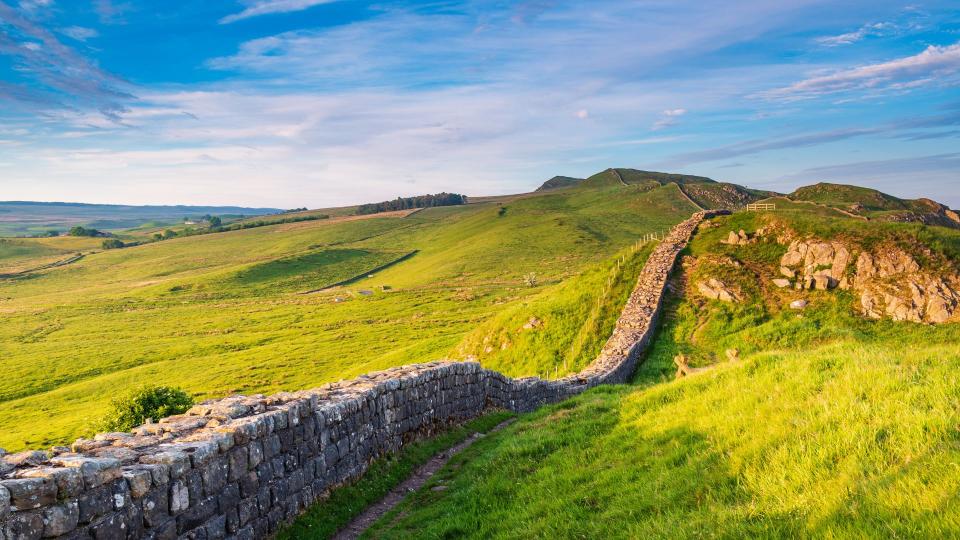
pixel 876 205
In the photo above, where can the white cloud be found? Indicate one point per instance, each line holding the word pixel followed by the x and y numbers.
pixel 933 65
pixel 583 114
pixel 668 118
pixel 256 8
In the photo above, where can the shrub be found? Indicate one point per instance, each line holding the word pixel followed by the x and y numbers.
pixel 113 243
pixel 133 409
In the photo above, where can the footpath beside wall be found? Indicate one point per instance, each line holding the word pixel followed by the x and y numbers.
pixel 239 467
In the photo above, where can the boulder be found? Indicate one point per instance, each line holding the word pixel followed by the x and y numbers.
pixel 798 304
pixel 715 289
pixel 781 282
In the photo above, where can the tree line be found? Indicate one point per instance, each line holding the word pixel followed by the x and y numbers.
pixel 408 203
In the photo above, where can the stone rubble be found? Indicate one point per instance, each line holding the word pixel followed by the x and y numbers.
pixel 241 466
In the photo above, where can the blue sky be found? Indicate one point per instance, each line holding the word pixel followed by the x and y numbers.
pixel 317 103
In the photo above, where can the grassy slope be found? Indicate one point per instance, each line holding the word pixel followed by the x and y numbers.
pixel 220 313
pixel 832 426
pixel 20 254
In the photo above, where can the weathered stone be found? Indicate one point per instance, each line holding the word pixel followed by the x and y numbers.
pixel 139 479
pixel 781 282
pixel 26 459
pixel 23 526
pixel 29 493
pixel 4 502
pixel 69 481
pixel 94 471
pixel 179 497
pixel 61 519
pixel 798 304
pixel 715 289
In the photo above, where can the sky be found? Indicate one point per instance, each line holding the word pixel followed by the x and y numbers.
pixel 318 103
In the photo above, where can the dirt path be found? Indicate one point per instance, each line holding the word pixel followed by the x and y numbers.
pixel 416 480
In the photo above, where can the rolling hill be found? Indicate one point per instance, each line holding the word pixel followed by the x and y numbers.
pixel 874 204
pixel 227 312
pixel 559 182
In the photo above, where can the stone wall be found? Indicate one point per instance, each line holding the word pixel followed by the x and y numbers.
pixel 239 467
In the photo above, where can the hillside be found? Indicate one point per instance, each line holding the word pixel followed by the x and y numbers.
pixel 223 313
pixel 876 205
pixel 702 191
pixel 559 182
pixel 812 422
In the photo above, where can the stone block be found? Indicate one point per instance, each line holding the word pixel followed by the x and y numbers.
pixel 60 519
pixel 30 493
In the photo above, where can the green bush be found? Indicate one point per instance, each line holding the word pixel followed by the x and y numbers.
pixel 113 243
pixel 133 409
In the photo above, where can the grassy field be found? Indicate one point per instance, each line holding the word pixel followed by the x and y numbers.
pixel 830 426
pixel 223 313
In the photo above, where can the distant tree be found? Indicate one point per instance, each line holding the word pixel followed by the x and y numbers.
pixel 169 233
pixel 157 236
pixel 214 221
pixel 153 402
pixel 406 203
pixel 51 233
pixel 502 212
pixel 83 231
pixel 113 243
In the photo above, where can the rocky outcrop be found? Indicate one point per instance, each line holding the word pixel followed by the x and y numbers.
pixel 814 264
pixel 889 281
pixel 714 289
pixel 739 238
pixel 892 285
pixel 239 467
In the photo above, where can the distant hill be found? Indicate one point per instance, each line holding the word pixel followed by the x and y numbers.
pixel 559 182
pixel 24 218
pixel 877 205
pixel 704 192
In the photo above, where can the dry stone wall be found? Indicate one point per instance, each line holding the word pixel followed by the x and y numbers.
pixel 240 467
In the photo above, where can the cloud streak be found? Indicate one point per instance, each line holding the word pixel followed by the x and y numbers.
pixel 256 8
pixel 935 65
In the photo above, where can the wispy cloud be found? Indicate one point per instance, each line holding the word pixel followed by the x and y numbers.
pixel 935 65
pixel 111 11
pixel 79 33
pixel 757 146
pixel 59 75
pixel 867 30
pixel 668 118
pixel 255 8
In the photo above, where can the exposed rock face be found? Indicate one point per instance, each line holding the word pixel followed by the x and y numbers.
pixel 891 284
pixel 816 264
pixel 890 281
pixel 715 289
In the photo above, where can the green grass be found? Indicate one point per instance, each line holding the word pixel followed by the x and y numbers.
pixel 831 426
pixel 325 518
pixel 222 313
pixel 560 330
